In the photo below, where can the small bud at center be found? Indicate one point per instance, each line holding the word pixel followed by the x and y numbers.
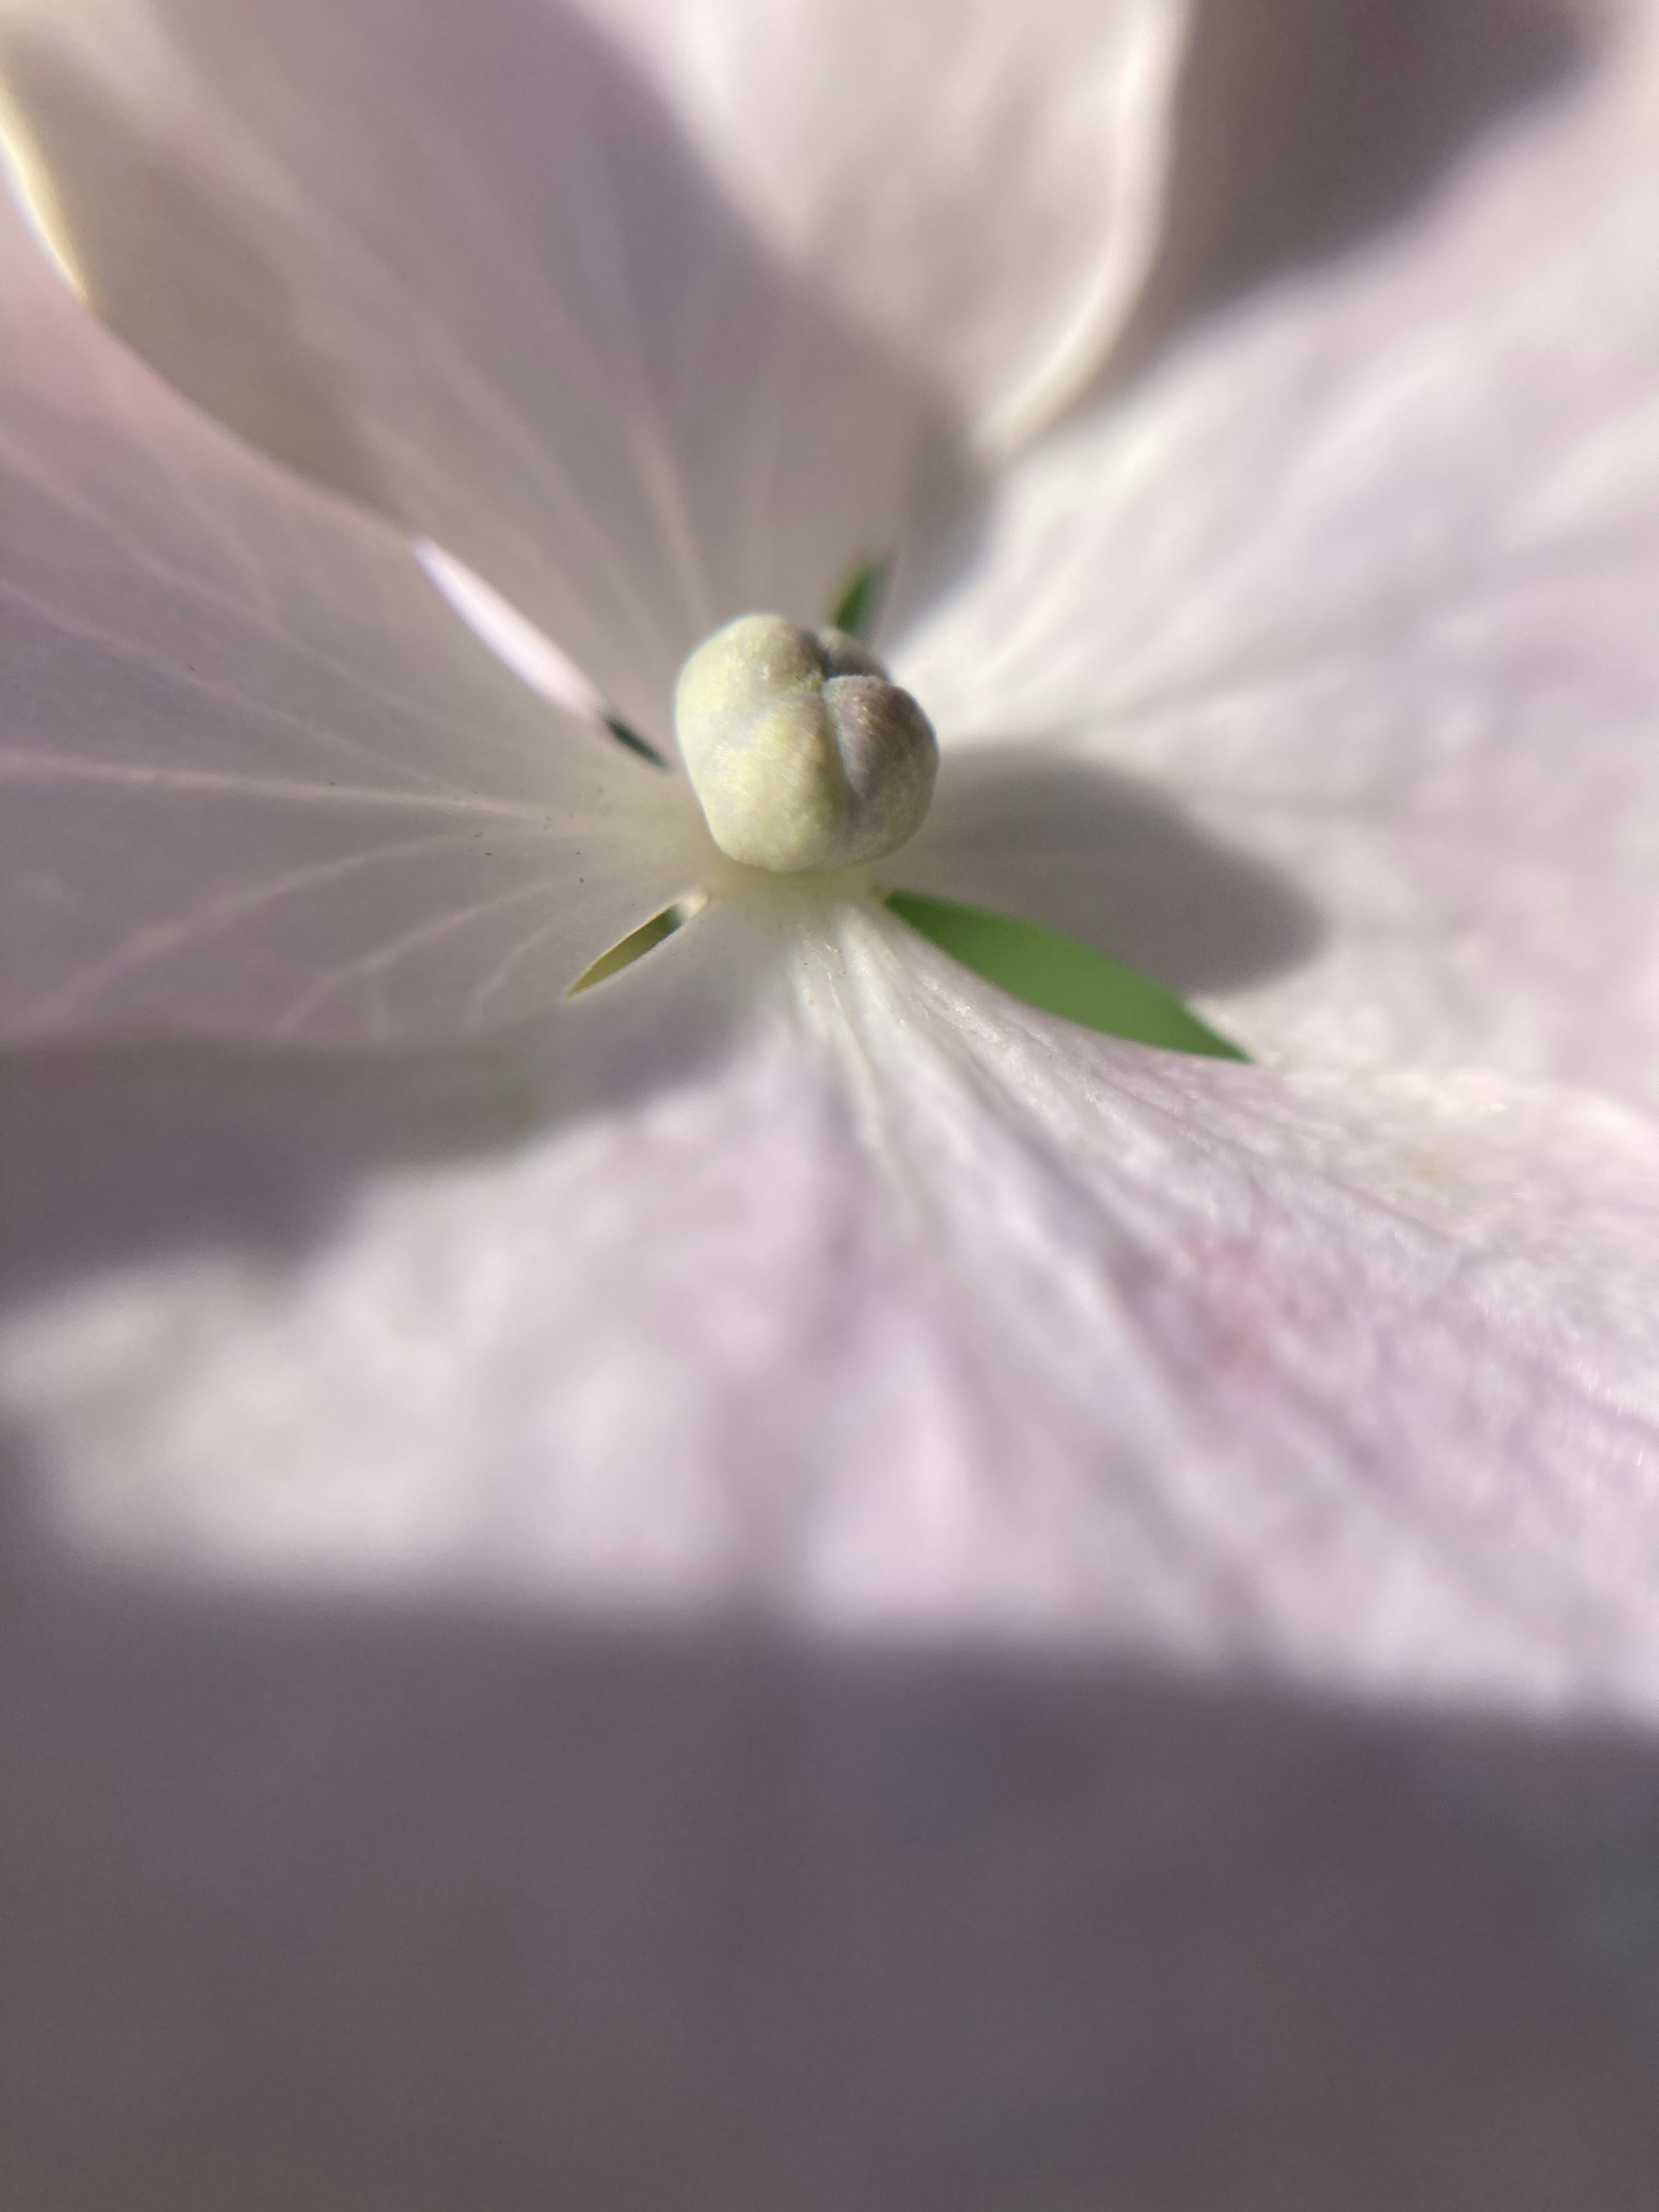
pixel 800 752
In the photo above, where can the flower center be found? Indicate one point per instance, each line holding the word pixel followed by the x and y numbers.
pixel 801 753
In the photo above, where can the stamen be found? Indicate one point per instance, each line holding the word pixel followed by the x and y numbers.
pixel 801 751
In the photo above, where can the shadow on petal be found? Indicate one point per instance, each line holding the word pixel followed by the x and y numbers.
pixel 1110 860
pixel 1304 126
pixel 479 246
pixel 1302 129
pixel 114 1151
pixel 311 1905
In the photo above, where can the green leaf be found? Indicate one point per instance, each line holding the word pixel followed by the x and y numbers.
pixel 1061 976
pixel 858 601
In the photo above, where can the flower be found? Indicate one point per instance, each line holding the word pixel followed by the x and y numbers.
pixel 847 1286
pixel 793 1269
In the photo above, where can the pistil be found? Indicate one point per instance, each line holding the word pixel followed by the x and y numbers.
pixel 802 752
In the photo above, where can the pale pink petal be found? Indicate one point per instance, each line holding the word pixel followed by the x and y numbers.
pixel 1366 579
pixel 978 184
pixel 258 780
pixel 1352 1374
pixel 464 261
pixel 925 1314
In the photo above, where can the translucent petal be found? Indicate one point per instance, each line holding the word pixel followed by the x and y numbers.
pixel 978 184
pixel 466 264
pixel 258 780
pixel 918 1311
pixel 1364 580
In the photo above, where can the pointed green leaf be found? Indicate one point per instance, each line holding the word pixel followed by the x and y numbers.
pixel 1061 976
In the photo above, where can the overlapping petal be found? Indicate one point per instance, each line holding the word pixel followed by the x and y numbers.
pixel 482 243
pixel 929 1311
pixel 1366 579
pixel 258 779
pixel 978 184
pixel 635 315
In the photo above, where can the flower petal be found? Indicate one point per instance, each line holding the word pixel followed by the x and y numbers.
pixel 258 780
pixel 488 240
pixel 1367 577
pixel 980 184
pixel 927 1313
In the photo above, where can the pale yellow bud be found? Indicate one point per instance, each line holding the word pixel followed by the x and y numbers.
pixel 801 753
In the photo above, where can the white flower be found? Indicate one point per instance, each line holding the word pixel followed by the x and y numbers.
pixel 793 1272
pixel 801 1269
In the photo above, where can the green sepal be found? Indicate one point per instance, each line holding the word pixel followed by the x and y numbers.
pixel 1062 976
pixel 645 938
pixel 858 601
